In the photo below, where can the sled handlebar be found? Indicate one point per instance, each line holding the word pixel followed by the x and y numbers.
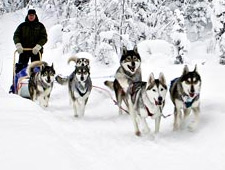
pixel 28 49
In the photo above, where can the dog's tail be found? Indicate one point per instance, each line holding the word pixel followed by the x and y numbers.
pixel 30 68
pixel 61 80
pixel 73 58
pixel 109 84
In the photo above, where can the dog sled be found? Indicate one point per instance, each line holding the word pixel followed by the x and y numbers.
pixel 21 79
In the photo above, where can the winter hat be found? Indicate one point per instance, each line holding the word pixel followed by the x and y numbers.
pixel 31 11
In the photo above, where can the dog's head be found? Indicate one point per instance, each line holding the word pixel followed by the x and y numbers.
pixel 82 73
pixel 191 81
pixel 47 73
pixel 130 60
pixel 79 61
pixel 157 89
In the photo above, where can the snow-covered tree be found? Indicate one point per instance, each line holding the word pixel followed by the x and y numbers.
pixel 219 28
pixel 1 7
pixel 197 14
pixel 179 37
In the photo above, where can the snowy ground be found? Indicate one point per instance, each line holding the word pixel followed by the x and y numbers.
pixel 51 138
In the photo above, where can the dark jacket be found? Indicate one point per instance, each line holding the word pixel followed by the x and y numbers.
pixel 30 33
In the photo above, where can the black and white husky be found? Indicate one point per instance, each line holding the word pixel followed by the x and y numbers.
pixel 79 85
pixel 185 95
pixel 128 73
pixel 147 99
pixel 40 83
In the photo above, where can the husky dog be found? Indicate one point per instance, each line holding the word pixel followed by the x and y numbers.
pixel 40 83
pixel 128 73
pixel 79 62
pixel 147 99
pixel 185 94
pixel 79 84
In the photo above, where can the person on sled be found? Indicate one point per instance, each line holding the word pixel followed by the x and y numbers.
pixel 29 34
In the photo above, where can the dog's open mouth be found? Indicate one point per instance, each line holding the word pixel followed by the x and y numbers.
pixel 158 102
pixel 132 68
pixel 191 94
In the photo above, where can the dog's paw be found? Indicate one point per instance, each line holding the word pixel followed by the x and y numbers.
pixel 192 126
pixel 138 133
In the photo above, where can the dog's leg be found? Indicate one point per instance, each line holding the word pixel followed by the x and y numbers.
pixel 42 101
pixel 46 98
pixel 75 107
pixel 133 115
pixel 82 108
pixel 193 125
pixel 33 95
pixel 157 124
pixel 177 119
pixel 187 112
pixel 146 129
pixel 177 114
pixel 119 102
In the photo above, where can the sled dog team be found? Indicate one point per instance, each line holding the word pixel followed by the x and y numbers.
pixel 142 99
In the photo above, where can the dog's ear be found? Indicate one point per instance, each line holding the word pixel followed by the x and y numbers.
pixel 186 70
pixel 151 79
pixel 196 69
pixel 124 50
pixel 52 65
pixel 162 78
pixel 135 49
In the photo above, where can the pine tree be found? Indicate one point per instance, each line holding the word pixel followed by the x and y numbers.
pixel 197 16
pixel 219 28
pixel 179 36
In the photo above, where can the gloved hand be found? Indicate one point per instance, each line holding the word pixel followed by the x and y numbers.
pixel 36 49
pixel 19 48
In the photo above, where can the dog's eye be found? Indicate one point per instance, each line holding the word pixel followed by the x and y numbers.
pixel 52 73
pixel 135 58
pixel 187 82
pixel 161 89
pixel 128 59
pixel 154 90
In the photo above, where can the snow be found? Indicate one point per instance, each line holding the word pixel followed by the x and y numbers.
pixel 51 138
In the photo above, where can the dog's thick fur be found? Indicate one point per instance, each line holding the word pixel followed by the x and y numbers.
pixel 128 73
pixel 79 84
pixel 40 83
pixel 185 95
pixel 147 99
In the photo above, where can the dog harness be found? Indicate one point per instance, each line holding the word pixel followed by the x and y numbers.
pixel 188 101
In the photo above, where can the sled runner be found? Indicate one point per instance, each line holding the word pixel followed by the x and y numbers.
pixel 21 79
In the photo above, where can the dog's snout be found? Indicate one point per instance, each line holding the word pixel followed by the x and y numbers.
pixel 192 89
pixel 133 64
pixel 82 78
pixel 160 98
